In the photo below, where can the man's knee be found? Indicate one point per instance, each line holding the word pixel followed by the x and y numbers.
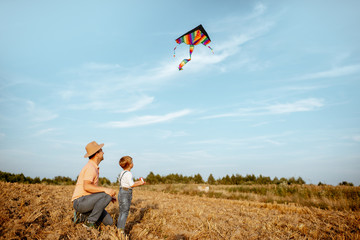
pixel 104 197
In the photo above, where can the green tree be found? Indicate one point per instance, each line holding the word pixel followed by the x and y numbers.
pixel 299 180
pixel 104 181
pixel 211 179
pixel 37 180
pixel 198 179
pixel 263 180
pixel 283 180
pixel 47 181
pixel 233 179
pixel 345 183
pixel 239 179
pixel 291 181
pixel 60 180
pixel 276 180
pixel 227 180
pixel 152 178
pixel 250 178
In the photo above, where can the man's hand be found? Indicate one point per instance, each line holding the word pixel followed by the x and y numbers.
pixel 90 187
pixel 111 192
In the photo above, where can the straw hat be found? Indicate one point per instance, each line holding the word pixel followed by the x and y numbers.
pixel 92 148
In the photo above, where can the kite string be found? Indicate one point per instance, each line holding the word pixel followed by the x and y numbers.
pixel 174 50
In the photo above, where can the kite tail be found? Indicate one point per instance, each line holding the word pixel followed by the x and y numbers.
pixel 210 49
pixel 185 61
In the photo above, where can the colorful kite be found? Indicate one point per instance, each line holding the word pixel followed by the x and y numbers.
pixel 192 38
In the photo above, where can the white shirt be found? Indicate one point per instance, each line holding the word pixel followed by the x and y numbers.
pixel 126 179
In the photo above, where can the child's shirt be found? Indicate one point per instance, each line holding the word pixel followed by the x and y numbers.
pixel 126 179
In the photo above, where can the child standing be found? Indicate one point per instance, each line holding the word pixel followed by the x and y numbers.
pixel 125 191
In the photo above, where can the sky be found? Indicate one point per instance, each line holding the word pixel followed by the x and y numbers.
pixel 278 97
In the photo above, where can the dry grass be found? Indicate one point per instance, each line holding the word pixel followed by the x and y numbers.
pixel 45 212
pixel 324 197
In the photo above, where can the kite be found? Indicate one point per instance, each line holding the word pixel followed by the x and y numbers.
pixel 192 38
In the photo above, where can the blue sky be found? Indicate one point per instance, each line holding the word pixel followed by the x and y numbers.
pixel 279 96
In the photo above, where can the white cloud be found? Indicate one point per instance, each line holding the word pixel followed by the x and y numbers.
pixel 171 134
pixel 356 138
pixel 304 105
pixel 45 116
pixel 93 66
pixel 141 103
pixel 30 105
pixel 44 131
pixel 250 142
pixel 227 48
pixel 259 9
pixel 146 120
pixel 242 22
pixel 39 114
pixel 335 72
pixel 112 87
pixel 259 124
pixel 119 104
pixel 67 94
pixel 274 142
pixel 301 88
pixel 298 106
pixel 107 86
pixel 195 156
pixel 234 114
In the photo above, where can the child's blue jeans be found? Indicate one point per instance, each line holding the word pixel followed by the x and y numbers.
pixel 124 198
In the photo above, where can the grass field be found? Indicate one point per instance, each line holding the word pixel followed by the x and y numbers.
pixel 324 197
pixel 39 211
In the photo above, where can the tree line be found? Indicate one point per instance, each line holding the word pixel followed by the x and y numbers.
pixel 58 180
pixel 227 180
pixel 168 179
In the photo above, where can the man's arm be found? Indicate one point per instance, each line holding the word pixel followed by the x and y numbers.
pixel 92 188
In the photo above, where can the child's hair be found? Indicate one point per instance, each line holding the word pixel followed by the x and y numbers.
pixel 125 161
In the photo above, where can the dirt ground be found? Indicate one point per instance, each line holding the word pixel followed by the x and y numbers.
pixel 45 212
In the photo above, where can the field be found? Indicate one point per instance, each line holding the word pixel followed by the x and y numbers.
pixel 324 197
pixel 36 211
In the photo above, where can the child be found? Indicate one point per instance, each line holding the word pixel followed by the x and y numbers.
pixel 125 191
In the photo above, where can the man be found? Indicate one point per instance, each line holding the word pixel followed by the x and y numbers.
pixel 90 199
